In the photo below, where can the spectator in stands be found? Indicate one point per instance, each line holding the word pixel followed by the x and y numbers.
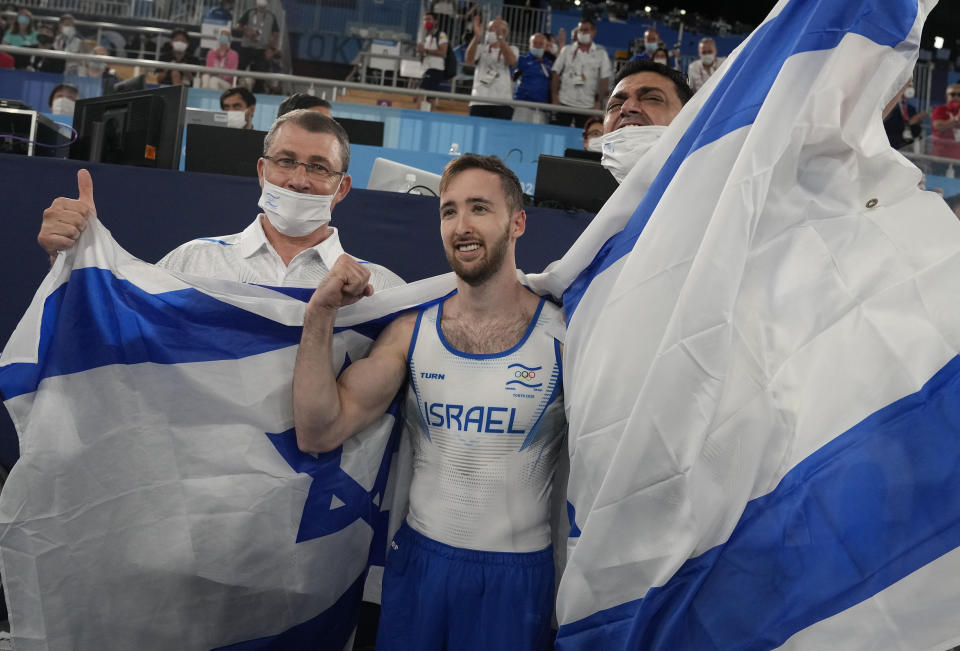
pixel 432 50
pixel 270 62
pixel 945 140
pixel 701 69
pixel 648 95
pixel 95 68
pixel 651 43
pixel 580 76
pixel 23 32
pixel 179 52
pixel 492 60
pixel 39 61
pixel 240 104
pixel 63 98
pixel 67 40
pixel 222 11
pixel 304 101
pixel 661 56
pixel 533 73
pixel 260 30
pixel 901 120
pixel 222 56
pixel 592 129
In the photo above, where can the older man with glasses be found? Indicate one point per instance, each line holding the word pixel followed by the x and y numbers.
pixel 303 175
pixel 946 125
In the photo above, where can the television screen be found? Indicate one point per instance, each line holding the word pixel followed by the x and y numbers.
pixel 572 184
pixel 142 128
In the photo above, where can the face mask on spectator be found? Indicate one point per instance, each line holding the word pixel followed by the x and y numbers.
pixel 236 119
pixel 295 213
pixel 179 46
pixel 585 38
pixel 96 69
pixel 651 47
pixel 62 106
pixel 428 25
pixel 554 48
pixel 224 39
pixel 44 39
pixel 491 37
pixel 660 60
pixel 68 30
pixel 621 149
pixel 23 20
pixel 708 59
pixel 261 3
pixel 537 52
pixel 910 93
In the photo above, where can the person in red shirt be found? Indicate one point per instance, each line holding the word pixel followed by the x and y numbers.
pixel 946 125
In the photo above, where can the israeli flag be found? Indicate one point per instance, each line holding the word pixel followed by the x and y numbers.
pixel 761 365
pixel 160 501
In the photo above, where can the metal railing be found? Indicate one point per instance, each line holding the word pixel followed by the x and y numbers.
pixel 299 83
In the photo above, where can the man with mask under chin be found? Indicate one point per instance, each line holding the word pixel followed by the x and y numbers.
pixel 646 97
pixel 303 175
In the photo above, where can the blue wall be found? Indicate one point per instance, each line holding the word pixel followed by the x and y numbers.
pixel 418 138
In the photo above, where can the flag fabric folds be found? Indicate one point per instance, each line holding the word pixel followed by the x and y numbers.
pixel 160 501
pixel 761 364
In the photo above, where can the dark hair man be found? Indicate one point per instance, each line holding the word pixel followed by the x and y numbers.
pixel 241 103
pixel 646 97
pixel 483 370
pixel 304 101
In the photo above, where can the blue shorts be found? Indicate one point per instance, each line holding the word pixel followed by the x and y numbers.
pixel 438 597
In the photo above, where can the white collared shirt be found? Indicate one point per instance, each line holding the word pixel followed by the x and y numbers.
pixel 250 258
pixel 698 74
pixel 579 73
pixel 491 74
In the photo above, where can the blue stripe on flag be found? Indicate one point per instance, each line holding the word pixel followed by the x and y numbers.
pixel 865 510
pixel 802 26
pixel 96 319
pixel 328 631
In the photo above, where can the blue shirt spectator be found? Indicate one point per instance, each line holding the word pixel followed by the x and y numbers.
pixel 534 72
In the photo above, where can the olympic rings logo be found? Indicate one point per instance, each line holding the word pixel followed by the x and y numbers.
pixel 526 375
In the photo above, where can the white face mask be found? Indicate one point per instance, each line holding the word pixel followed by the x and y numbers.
pixel 96 69
pixel 295 214
pixel 661 61
pixel 622 148
pixel 584 38
pixel 554 48
pixel 261 3
pixel 62 106
pixel 910 93
pixel 179 46
pixel 68 30
pixel 236 119
pixel 537 52
pixel 708 59
pixel 491 37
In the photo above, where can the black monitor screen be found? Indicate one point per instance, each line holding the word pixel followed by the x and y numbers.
pixel 572 183
pixel 140 128
pixel 363 132
pixel 223 150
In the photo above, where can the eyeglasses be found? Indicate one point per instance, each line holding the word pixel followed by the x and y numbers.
pixel 313 169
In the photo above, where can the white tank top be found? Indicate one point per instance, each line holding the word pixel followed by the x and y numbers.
pixel 489 434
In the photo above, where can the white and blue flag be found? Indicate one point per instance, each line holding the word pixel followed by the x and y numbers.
pixel 761 366
pixel 160 501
